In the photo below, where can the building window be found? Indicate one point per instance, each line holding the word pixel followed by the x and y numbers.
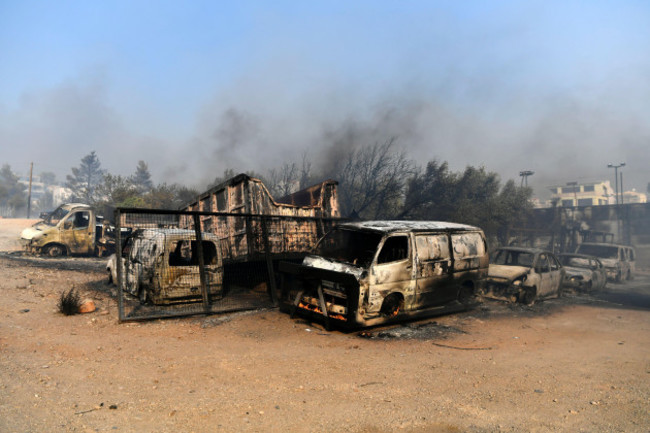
pixel 567 203
pixel 585 202
pixel 589 188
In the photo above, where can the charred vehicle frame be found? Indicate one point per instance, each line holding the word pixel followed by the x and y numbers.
pixel 368 273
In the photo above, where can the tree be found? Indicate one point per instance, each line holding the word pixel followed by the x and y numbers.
pixel 141 179
pixel 84 179
pixel 283 181
pixel 12 193
pixel 473 197
pixel 116 190
pixel 372 180
pixel 165 196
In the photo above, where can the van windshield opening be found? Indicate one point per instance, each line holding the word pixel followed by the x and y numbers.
pixel 602 251
pixel 349 246
pixel 513 258
pixel 56 216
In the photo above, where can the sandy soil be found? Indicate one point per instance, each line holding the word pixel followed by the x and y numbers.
pixel 581 363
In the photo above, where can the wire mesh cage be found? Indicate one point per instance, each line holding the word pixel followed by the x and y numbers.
pixel 179 263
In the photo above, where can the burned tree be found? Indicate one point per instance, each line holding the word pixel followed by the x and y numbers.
pixel 373 180
pixel 84 179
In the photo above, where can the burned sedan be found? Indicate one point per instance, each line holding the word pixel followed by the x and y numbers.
pixel 161 266
pixel 583 272
pixel 363 274
pixel 524 274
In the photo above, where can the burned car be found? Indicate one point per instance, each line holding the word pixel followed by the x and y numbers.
pixel 524 274
pixel 619 260
pixel 363 274
pixel 583 272
pixel 161 266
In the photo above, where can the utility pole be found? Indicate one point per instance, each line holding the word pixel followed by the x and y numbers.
pixel 29 195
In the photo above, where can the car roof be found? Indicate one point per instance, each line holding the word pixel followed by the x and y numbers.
pixel 525 249
pixel 414 226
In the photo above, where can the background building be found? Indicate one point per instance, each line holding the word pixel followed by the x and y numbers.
pixel 575 194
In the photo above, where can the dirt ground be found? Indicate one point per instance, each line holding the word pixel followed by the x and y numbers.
pixel 577 364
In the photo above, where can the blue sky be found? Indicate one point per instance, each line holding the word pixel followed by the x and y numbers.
pixel 559 87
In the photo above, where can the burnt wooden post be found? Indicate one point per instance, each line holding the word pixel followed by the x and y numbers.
pixel 269 261
pixel 199 251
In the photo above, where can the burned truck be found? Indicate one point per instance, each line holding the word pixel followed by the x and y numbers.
pixel 71 229
pixel 367 273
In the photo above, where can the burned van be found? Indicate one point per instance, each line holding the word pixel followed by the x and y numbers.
pixel 363 274
pixel 619 260
pixel 161 266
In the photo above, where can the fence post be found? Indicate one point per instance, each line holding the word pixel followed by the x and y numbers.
pixel 269 261
pixel 199 251
pixel 119 264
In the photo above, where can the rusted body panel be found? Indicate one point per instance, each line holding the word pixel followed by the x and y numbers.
pixel 242 239
pixel 161 266
pixel 370 273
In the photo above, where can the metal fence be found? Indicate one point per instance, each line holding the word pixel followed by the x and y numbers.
pixel 180 263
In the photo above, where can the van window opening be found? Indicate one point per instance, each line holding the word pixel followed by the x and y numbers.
pixel 432 247
pixel 354 247
pixel 468 245
pixel 81 220
pixel 395 248
pixel 185 253
pixel 604 251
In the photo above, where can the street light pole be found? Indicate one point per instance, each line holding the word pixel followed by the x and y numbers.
pixel 524 176
pixel 616 167
pixel 618 213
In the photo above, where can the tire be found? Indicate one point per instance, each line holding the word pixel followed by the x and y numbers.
pixel 110 278
pixel 55 250
pixel 528 296
pixel 466 295
pixel 392 305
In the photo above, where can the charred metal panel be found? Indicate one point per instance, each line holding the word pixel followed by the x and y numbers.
pixel 242 238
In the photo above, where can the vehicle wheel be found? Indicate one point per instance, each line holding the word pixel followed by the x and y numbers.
pixel 110 278
pixel 528 296
pixel 55 251
pixel 392 305
pixel 618 277
pixel 466 295
pixel 628 276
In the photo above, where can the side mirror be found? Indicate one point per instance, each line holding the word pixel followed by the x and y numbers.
pixel 67 225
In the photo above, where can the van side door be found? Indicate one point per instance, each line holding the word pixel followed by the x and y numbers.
pixel 433 270
pixel 392 272
pixel 77 232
